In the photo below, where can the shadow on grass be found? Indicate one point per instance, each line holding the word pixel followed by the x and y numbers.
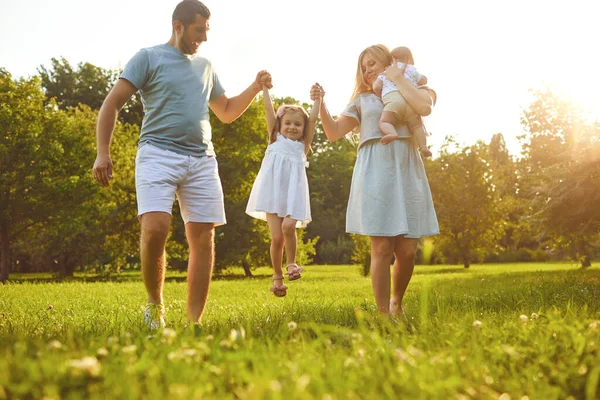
pixel 124 277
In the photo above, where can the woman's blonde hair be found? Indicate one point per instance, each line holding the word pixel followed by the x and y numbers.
pixel 379 53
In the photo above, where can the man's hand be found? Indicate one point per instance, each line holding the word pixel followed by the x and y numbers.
pixel 102 171
pixel 263 79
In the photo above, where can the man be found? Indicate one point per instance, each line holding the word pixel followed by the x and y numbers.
pixel 175 153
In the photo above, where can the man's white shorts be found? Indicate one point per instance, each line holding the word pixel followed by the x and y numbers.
pixel 162 174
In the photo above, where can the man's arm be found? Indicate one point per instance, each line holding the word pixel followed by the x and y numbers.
pixel 107 116
pixel 229 109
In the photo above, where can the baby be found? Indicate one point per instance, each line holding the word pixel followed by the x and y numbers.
pixel 396 109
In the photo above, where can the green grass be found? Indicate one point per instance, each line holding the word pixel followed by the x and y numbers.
pixel 324 340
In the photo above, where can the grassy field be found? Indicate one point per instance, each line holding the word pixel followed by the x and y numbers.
pixel 518 331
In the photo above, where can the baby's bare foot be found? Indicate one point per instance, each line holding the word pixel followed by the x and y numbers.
pixel 388 139
pixel 425 152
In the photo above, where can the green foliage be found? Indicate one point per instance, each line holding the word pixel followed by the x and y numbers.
pixel 240 147
pixel 89 85
pixel 329 178
pixel 562 150
pixel 338 251
pixel 465 202
pixel 306 249
pixel 362 253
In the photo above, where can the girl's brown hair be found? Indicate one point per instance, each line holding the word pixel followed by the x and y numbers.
pixel 281 111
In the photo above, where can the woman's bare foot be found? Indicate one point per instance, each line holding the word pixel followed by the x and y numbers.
pixel 396 309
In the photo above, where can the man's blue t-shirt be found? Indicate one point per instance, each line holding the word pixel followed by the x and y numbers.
pixel 175 91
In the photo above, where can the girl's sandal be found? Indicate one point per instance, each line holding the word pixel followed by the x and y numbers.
pixel 293 271
pixel 278 290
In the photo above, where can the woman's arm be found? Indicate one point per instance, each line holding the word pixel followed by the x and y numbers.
pixel 334 129
pixel 269 110
pixel 421 100
pixel 312 123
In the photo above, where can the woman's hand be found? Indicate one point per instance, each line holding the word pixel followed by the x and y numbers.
pixel 317 92
pixel 394 73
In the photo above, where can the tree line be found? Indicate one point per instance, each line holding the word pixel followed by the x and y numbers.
pixel 492 206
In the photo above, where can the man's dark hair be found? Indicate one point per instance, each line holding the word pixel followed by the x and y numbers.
pixel 186 12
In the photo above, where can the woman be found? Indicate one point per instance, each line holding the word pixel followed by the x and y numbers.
pixel 390 200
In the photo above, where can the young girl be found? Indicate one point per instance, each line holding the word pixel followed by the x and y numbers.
pixel 280 193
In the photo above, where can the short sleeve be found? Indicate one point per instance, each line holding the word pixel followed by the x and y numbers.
pixel 353 109
pixel 217 89
pixel 136 70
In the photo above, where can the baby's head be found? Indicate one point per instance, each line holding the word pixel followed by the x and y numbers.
pixel 291 121
pixel 403 54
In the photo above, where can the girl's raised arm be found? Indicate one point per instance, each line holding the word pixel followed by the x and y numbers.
pixel 312 124
pixel 269 110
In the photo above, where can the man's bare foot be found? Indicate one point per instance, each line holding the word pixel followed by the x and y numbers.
pixel 388 138
pixel 425 152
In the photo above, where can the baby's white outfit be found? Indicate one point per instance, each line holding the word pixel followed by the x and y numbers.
pixel 410 73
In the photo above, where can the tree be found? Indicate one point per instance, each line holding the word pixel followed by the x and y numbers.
pixel 87 85
pixel 465 202
pixel 562 157
pixel 330 175
pixel 240 147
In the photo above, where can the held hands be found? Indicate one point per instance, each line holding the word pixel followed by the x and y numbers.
pixel 317 92
pixel 263 79
pixel 102 171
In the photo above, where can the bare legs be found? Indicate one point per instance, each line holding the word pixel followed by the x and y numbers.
pixel 382 249
pixel 283 234
pixel 200 236
pixel 386 126
pixel 389 120
pixel 155 229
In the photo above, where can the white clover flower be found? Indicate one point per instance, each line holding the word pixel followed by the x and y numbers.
pixel 523 318
pixel 292 325
pixel 594 325
pixel 215 370
pixel 169 333
pixel 534 316
pixel 102 352
pixel 189 352
pixel 477 324
pixel 112 340
pixel 276 386
pixel 88 365
pixel 302 383
pixel 129 349
pixel 54 345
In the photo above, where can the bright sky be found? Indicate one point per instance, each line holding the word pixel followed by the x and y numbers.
pixel 480 56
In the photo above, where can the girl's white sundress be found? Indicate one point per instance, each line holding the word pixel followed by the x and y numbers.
pixel 281 186
pixel 389 194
